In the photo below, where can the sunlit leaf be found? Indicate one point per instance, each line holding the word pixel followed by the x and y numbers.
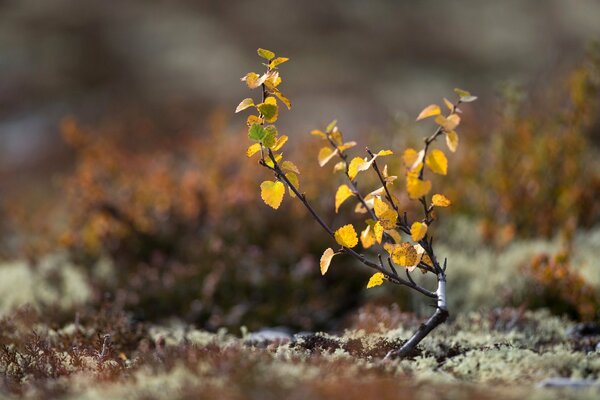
pixel 367 237
pixel 325 154
pixel 269 162
pixel 437 162
pixel 449 123
pixel 439 200
pixel 418 230
pixel 283 99
pixel 375 280
pixel 272 193
pixel 429 111
pixel 253 119
pixel 387 215
pixel 252 150
pixel 278 61
pixel 449 104
pixel 269 138
pixel 266 54
pixel 253 80
pixel 413 159
pixel 468 99
pixel 293 178
pixel 403 254
pixel 342 194
pixel 339 166
pixel 346 236
pixel 273 80
pixel 353 168
pixel 330 126
pixel 326 260
pixel 416 187
pixel 317 132
pixel 395 235
pixel 246 103
pixel 281 140
pixel 290 166
pixel 452 140
pixel 269 109
pixel 461 92
pixel 378 231
pixel 347 146
pixel 337 137
pixel 383 153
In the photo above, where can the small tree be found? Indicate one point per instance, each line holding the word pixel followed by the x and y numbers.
pixel 385 222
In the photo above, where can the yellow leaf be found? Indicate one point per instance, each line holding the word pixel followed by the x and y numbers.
pixel 403 254
pixel 420 252
pixel 452 140
pixel 253 119
pixel 281 140
pixel 360 209
pixel 437 162
pixel 418 231
pixel 353 168
pixel 293 178
pixel 416 187
pixel 290 166
pixel 449 123
pixel 253 80
pixel 272 193
pixel 279 60
pixel 316 132
pixel 367 237
pixel 439 200
pixel 347 146
pixel 346 236
pixel 461 92
pixel 378 231
pixel 429 111
pixel 246 103
pixel 382 153
pixel 325 154
pixel 283 99
pixel 449 104
pixel 252 150
pixel 375 280
pixel 330 126
pixel 387 216
pixel 336 136
pixel 412 159
pixel 339 166
pixel 264 53
pixel 341 195
pixel 326 260
pixel 273 80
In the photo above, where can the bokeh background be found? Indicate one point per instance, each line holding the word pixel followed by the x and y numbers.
pixel 123 178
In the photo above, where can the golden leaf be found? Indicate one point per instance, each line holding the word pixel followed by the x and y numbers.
pixel 342 194
pixel 412 159
pixel 416 187
pixel 317 132
pixel 387 216
pixel 325 154
pixel 346 236
pixel 264 53
pixel 439 200
pixel 418 230
pixel 378 231
pixel 452 140
pixel 253 80
pixel 429 111
pixel 375 280
pixel 403 254
pixel 279 60
pixel 290 166
pixel 246 103
pixel 326 260
pixel 281 140
pixel 252 150
pixel 272 193
pixel 293 178
pixel 449 104
pixel 253 119
pixel 437 162
pixel 353 168
pixel 367 237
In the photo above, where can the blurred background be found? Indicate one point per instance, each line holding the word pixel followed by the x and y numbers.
pixel 123 178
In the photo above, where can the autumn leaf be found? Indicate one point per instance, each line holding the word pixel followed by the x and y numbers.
pixel 412 159
pixel 278 61
pixel 465 96
pixel 461 92
pixel 283 99
pixel 272 193
pixel 429 111
pixel 378 231
pixel 367 236
pixel 403 254
pixel 326 260
pixel 330 126
pixel 317 132
pixel 253 80
pixel 342 194
pixel 449 123
pixel 346 146
pixel 253 119
pixel 439 200
pixel 449 104
pixel 387 215
pixel 246 103
pixel 252 150
pixel 452 140
pixel 290 166
pixel 346 236
pixel 416 187
pixel 325 154
pixel 375 280
pixel 267 54
pixel 281 140
pixel 293 178
pixel 437 162
pixel 353 168
pixel 256 132
pixel 418 231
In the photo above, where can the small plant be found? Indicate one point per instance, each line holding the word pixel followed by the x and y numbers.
pixel 385 223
